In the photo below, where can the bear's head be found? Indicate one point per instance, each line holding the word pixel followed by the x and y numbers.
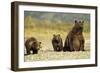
pixel 79 24
pixel 56 38
pixel 36 45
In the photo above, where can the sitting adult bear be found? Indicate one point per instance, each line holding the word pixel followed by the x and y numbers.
pixel 75 40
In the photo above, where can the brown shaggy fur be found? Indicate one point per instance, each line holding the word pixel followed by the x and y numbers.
pixel 75 40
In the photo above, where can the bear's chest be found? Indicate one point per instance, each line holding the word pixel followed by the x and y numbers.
pixel 76 42
pixel 77 36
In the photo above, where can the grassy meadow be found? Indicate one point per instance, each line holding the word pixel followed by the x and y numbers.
pixel 43 31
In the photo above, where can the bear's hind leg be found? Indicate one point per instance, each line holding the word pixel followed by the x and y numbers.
pixel 82 46
pixel 35 51
pixel 28 52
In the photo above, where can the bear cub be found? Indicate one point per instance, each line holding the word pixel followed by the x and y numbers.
pixel 33 45
pixel 57 42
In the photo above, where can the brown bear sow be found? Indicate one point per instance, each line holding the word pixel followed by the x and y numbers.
pixel 33 45
pixel 75 40
pixel 57 42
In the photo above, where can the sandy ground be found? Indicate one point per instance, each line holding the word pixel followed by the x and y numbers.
pixel 45 55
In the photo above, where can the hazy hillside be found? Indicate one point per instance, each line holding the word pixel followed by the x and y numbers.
pixel 56 17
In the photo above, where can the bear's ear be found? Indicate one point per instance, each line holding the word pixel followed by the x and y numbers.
pixel 54 35
pixel 59 35
pixel 75 21
pixel 82 21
